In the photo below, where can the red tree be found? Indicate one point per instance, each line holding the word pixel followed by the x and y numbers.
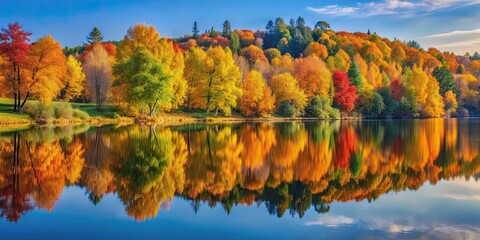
pixel 345 94
pixel 109 47
pixel 397 89
pixel 14 47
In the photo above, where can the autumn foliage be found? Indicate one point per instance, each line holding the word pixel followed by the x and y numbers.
pixel 345 94
pixel 220 72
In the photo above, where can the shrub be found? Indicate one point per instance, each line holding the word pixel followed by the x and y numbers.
pixel 63 110
pixel 77 113
pixel 289 108
pixel 373 105
pixel 39 110
pixel 320 107
pixel 462 113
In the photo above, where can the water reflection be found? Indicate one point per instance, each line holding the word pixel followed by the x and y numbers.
pixel 287 166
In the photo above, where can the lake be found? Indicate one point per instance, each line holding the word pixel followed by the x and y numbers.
pixel 296 180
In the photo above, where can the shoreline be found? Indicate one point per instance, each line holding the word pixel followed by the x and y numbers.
pixel 176 119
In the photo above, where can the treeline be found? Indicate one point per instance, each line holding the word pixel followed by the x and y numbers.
pixel 287 69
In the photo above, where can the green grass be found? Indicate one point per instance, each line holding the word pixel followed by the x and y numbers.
pixel 91 109
pixel 8 116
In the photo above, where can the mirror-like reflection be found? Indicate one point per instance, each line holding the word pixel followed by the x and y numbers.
pixel 289 167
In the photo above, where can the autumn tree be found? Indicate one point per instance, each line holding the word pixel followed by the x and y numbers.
pixel 222 88
pixel 196 75
pixel 317 49
pixel 74 79
pixel 345 94
pixel 257 98
pixel 45 70
pixel 145 80
pixel 253 54
pixel 285 88
pixel 98 71
pixel 14 48
pixel 313 76
pixel 451 104
pixel 169 54
pixel 426 92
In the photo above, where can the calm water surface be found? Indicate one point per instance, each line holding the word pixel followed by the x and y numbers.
pixel 327 180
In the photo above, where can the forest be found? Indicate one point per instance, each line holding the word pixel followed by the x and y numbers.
pixel 286 70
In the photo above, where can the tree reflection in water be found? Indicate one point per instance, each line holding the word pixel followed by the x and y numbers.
pixel 286 166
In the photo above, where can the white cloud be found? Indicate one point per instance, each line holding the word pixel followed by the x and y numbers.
pixel 396 228
pixel 391 7
pixel 462 197
pixel 456 41
pixel 454 33
pixel 334 10
pixel 332 221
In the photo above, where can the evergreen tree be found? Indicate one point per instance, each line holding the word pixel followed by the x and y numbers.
pixel 297 44
pixel 269 35
pixel 475 56
pixel 354 75
pixel 94 36
pixel 195 31
pixel 446 80
pixel 227 29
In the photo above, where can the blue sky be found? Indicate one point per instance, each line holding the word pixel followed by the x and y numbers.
pixel 447 24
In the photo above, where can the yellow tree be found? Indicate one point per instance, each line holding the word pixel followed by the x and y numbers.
pixel 46 68
pixel 285 88
pixel 196 75
pixel 172 57
pixel 257 98
pixel 282 64
pixel 74 79
pixel 313 76
pixel 397 54
pixel 222 85
pixel 426 90
pixel 450 102
pixel 338 61
pixel 434 106
pixel 374 76
pixel 253 54
pixel 317 49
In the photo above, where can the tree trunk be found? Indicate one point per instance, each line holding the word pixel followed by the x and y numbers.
pixel 15 104
pixel 216 112
pixel 24 101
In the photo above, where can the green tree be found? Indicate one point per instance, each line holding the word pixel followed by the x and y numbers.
pixel 354 75
pixel 145 80
pixel 235 42
pixel 195 30
pixel 94 36
pixel 446 80
pixel 227 29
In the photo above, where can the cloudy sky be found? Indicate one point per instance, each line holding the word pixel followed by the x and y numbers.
pixel 446 24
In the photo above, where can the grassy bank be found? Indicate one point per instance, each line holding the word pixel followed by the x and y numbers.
pixel 9 118
pixel 109 115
